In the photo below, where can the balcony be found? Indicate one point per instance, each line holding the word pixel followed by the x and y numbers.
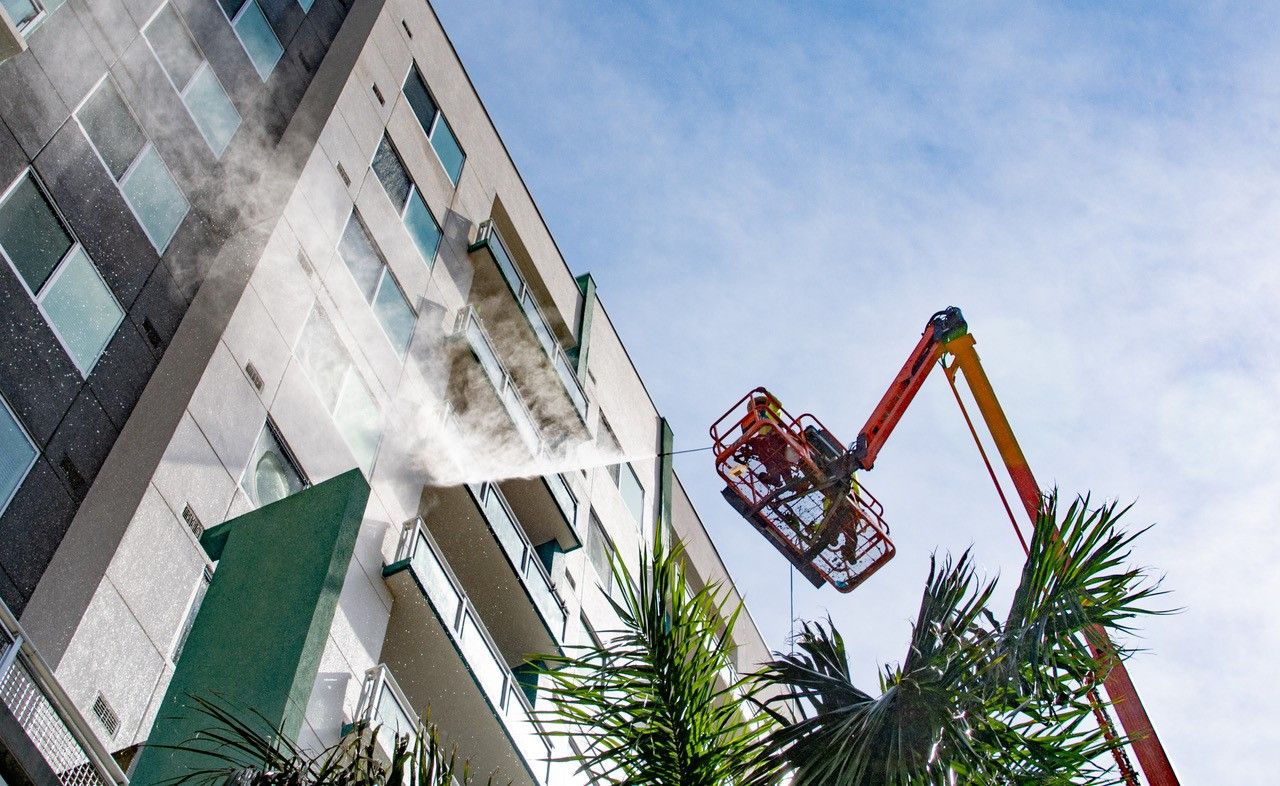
pixel 492 552
pixel 445 660
pixel 41 730
pixel 472 414
pixel 501 274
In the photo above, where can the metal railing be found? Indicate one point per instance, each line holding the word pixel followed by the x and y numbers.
pixel 489 237
pixel 57 730
pixel 462 622
pixel 522 555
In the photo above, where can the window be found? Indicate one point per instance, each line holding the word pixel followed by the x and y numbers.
pixel 191 76
pixel 57 273
pixel 133 162
pixel 271 474
pixel 17 454
pixel 26 14
pixel 306 4
pixel 433 123
pixel 192 611
pixel 376 283
pixel 623 475
pixel 600 550
pixel 255 34
pixel 407 199
pixel 343 392
pixel 632 491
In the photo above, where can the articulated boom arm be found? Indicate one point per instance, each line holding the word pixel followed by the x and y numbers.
pixel 944 326
pixel 797 485
pixel 947 335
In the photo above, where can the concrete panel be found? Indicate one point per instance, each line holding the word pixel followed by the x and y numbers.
pixel 326 193
pixel 227 410
pixel 302 225
pixel 252 337
pixel 81 443
pixel 108 24
pixel 361 620
pixel 67 54
pixel 284 286
pixel 333 697
pixel 30 106
pixel 32 526
pixel 190 473
pixel 156 569
pixel 387 230
pixel 306 425
pixel 357 316
pixel 111 653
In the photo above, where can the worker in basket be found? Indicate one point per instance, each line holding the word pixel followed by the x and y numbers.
pixel 767 445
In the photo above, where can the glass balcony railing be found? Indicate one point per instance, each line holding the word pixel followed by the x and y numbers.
pixel 500 378
pixel 565 499
pixel 50 721
pixel 489 237
pixel 501 689
pixel 383 706
pixel 523 557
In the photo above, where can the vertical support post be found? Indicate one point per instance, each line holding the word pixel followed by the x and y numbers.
pixel 256 643
pixel 666 478
pixel 1120 688
pixel 587 285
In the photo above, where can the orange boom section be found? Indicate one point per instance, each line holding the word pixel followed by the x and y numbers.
pixel 794 481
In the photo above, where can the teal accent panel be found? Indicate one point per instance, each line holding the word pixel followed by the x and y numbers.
pixel 587 285
pixel 547 552
pixel 256 643
pixel 666 474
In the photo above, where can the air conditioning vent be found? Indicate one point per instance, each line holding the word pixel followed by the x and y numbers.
pixel 378 94
pixel 193 521
pixel 305 262
pixel 342 173
pixel 407 31
pixel 254 376
pixel 103 712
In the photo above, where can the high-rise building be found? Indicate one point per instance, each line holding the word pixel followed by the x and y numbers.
pixel 248 247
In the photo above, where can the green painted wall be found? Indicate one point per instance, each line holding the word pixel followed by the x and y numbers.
pixel 257 640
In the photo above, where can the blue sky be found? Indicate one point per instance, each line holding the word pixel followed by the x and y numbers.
pixel 780 195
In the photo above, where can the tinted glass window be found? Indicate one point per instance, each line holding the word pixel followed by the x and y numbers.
pixel 448 149
pixel 212 110
pixel 111 128
pixel 155 197
pixel 415 91
pixel 357 250
pixel 20 11
pixel 31 233
pixel 393 312
pixel 82 309
pixel 17 454
pixel 600 550
pixel 422 228
pixel 175 49
pixel 325 359
pixel 632 491
pixel 259 39
pixel 358 419
pixel 270 474
pixel 387 166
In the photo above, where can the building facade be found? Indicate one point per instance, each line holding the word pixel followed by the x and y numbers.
pixel 250 245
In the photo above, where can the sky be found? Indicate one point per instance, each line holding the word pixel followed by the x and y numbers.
pixel 781 194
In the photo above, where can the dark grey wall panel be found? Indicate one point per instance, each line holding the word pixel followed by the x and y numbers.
pixel 31 529
pixel 81 443
pixel 37 377
pixel 31 108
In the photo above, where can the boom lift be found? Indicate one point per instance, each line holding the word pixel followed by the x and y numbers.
pixel 797 485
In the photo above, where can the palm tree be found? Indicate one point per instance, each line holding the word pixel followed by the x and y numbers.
pixel 247 751
pixel 658 703
pixel 977 700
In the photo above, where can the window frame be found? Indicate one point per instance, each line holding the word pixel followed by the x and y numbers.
pixel 317 310
pixel 58 270
pixel 35 454
pixel 133 165
pixel 43 10
pixel 435 122
pixel 205 65
pixel 269 425
pixel 189 618
pixel 414 190
pixel 596 525
pixel 382 276
pixel 232 20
